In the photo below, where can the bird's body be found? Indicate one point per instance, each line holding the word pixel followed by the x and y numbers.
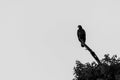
pixel 81 35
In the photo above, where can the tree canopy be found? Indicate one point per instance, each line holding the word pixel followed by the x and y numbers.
pixel 109 68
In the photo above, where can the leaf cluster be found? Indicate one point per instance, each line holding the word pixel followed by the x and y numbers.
pixel 108 68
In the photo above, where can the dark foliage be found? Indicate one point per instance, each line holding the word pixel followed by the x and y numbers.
pixel 92 71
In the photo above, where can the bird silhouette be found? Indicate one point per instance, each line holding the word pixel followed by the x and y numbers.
pixel 81 35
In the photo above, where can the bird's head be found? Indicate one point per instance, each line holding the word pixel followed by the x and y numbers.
pixel 79 26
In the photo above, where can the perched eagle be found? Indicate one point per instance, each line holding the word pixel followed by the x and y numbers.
pixel 81 35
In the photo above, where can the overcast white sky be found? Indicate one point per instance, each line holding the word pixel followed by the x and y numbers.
pixel 38 37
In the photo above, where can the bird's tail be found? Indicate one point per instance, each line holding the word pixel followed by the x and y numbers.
pixel 82 45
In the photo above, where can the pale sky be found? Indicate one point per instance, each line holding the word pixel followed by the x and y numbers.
pixel 38 38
